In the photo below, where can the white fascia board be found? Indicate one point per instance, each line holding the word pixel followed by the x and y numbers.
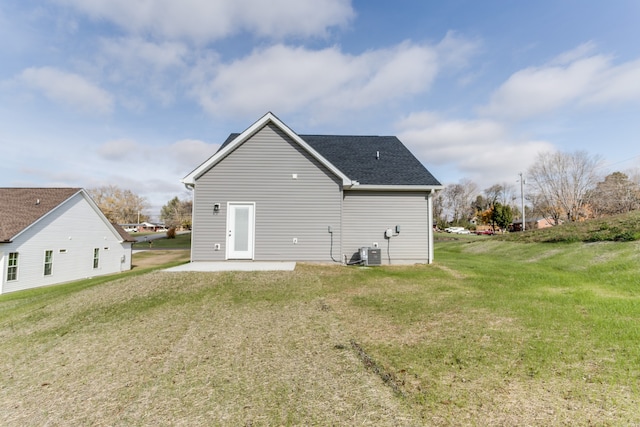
pixel 361 187
pixel 190 179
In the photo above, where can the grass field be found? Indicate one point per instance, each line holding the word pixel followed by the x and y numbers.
pixel 181 241
pixel 494 333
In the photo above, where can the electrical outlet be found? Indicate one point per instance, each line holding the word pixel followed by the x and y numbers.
pixel 295 240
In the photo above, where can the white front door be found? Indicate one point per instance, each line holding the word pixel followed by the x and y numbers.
pixel 240 226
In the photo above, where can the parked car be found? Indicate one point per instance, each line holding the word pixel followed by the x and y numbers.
pixel 453 229
pixel 457 230
pixel 488 232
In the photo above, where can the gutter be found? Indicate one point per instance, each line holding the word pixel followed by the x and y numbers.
pixel 368 187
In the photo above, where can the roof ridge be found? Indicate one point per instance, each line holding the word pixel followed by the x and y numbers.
pixel 347 135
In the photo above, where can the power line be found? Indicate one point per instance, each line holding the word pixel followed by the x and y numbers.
pixel 618 162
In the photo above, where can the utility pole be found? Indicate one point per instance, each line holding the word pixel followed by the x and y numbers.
pixel 522 199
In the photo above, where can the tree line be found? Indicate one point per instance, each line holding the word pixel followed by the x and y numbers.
pixel 559 186
pixel 122 206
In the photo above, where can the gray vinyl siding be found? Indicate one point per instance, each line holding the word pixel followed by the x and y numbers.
pixel 261 171
pixel 367 214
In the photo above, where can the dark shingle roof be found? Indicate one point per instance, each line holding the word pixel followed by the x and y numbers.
pixel 21 207
pixel 357 157
pixel 372 160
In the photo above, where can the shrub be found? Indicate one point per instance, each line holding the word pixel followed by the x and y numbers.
pixel 171 233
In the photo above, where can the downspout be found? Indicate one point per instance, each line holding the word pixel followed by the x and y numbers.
pixel 430 227
pixel 2 272
pixel 191 187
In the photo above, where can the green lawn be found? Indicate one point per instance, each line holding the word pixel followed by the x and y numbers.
pixel 181 241
pixel 494 333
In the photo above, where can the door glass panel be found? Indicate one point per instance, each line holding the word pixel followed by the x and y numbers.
pixel 241 240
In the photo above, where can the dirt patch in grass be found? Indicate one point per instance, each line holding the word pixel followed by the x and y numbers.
pixel 154 258
pixel 455 274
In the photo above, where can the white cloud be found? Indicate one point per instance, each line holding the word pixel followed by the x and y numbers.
pixel 134 52
pixel 139 68
pixel 482 150
pixel 446 141
pixel 582 51
pixel 285 79
pixel 575 78
pixel 456 51
pixel 617 84
pixel 205 20
pixel 539 90
pixel 120 149
pixel 189 153
pixel 68 88
pixel 181 156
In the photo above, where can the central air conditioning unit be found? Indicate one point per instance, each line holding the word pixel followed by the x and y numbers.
pixel 370 256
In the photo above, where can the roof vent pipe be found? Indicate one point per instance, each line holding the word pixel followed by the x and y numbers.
pixel 377 155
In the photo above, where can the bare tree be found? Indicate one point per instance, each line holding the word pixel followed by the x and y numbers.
pixel 501 193
pixel 118 205
pixel 177 213
pixel 494 194
pixel 457 200
pixel 564 180
pixel 540 208
pixel 634 175
pixel 438 210
pixel 616 194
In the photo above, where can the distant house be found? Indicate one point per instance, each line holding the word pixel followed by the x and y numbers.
pixel 55 235
pixel 269 194
pixel 148 226
pixel 535 224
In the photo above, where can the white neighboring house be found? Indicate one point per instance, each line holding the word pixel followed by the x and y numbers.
pixel 55 235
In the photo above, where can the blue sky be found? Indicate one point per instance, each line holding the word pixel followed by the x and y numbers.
pixel 139 93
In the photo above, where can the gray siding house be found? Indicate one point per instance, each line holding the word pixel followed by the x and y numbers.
pixel 269 194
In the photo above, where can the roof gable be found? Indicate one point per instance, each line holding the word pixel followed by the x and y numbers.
pixel 362 162
pixel 20 208
pixel 234 141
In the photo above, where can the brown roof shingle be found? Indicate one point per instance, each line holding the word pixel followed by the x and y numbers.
pixel 21 207
pixel 126 237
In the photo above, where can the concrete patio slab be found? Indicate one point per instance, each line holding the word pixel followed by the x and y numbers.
pixel 234 266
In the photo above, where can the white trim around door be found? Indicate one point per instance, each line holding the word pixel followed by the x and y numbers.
pixel 241 227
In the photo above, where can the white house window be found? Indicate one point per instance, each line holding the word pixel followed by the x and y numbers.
pixel 12 267
pixel 48 263
pixel 96 257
